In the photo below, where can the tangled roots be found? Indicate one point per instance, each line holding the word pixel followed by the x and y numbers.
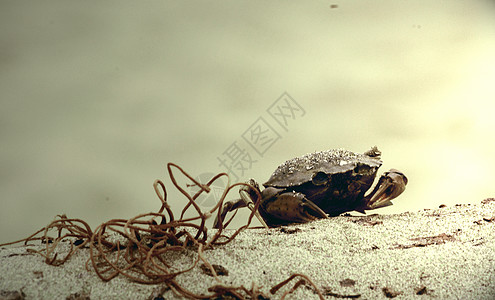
pixel 141 248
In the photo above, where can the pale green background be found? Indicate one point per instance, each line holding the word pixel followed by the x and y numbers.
pixel 96 97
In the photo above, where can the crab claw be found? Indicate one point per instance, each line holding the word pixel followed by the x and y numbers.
pixel 289 207
pixel 390 185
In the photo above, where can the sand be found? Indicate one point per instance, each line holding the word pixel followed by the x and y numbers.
pixel 444 253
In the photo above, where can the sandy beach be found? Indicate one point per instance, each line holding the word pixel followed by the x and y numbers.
pixel 444 253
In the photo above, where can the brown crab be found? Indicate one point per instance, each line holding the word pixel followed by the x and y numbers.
pixel 319 185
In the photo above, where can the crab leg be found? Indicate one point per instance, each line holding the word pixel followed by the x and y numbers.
pixel 250 204
pixel 229 206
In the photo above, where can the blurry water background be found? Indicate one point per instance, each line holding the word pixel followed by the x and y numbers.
pixel 96 98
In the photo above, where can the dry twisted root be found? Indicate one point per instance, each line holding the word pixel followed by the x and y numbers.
pixel 138 248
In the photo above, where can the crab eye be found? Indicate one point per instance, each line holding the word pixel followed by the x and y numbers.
pixel 319 178
pixel 362 169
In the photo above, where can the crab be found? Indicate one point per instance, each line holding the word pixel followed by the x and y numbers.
pixel 320 185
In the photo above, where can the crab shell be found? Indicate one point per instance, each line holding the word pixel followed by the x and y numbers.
pixel 335 180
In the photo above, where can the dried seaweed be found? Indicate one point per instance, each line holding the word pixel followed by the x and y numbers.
pixel 427 241
pixel 219 269
pixel 140 248
pixel 390 293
